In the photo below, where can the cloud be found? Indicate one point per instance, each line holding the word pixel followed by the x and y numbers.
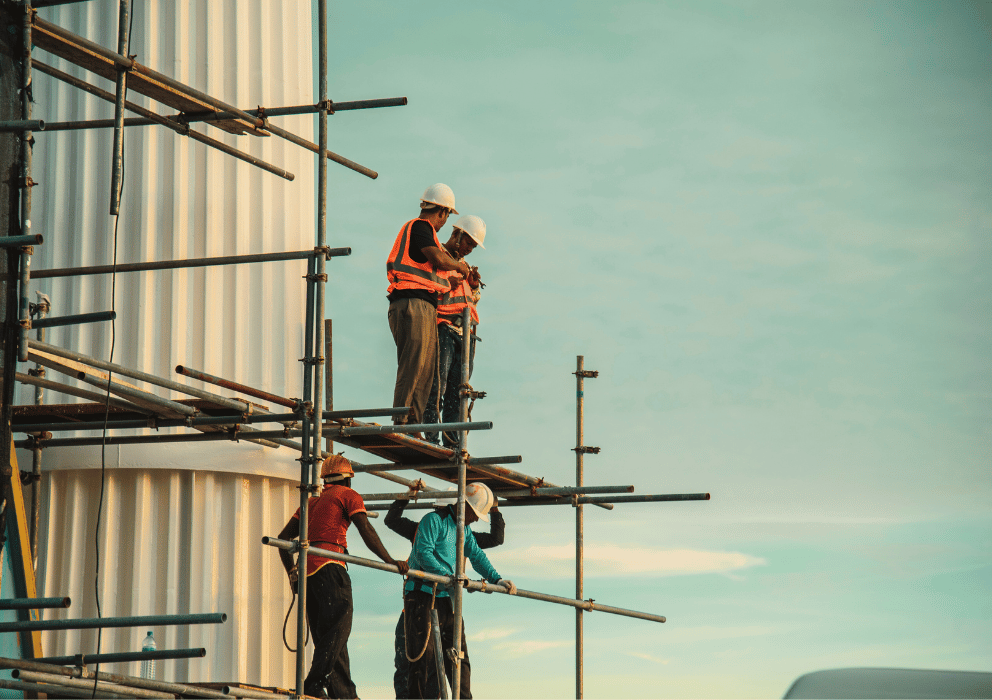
pixel 647 657
pixel 554 561
pixel 492 633
pixel 526 648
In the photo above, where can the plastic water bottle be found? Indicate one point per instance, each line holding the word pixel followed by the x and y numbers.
pixel 148 665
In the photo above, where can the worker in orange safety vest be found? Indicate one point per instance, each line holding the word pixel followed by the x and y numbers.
pixel 467 233
pixel 419 270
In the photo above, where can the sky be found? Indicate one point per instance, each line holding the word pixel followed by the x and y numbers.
pixel 767 225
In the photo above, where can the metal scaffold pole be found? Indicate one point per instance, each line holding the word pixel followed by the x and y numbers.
pixel 463 393
pixel 580 450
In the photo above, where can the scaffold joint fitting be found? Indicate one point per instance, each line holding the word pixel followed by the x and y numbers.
pixel 583 450
pixel 586 373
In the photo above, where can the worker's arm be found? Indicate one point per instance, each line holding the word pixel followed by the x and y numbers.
pixel 442 261
pixel 371 539
pixel 480 562
pixel 394 520
pixel 290 532
pixel 497 527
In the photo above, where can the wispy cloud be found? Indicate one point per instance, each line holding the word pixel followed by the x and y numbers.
pixel 609 559
pixel 532 646
pixel 492 633
pixel 647 657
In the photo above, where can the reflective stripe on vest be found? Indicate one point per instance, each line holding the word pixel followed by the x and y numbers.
pixel 403 272
pixel 449 307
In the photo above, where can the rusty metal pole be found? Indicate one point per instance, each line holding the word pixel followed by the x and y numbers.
pixel 463 394
pixel 580 450
pixel 42 309
pixel 117 164
pixel 328 375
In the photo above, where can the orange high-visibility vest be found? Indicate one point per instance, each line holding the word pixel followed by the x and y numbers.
pixel 449 308
pixel 403 272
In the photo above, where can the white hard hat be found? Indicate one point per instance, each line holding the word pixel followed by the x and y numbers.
pixel 481 499
pixel 473 226
pixel 448 501
pixel 441 195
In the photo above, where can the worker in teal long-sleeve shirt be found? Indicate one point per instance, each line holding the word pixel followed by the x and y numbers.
pixel 434 551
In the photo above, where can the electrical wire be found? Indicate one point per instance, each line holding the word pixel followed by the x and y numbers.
pixel 106 413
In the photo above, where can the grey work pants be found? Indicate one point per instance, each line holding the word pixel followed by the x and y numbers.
pixel 413 323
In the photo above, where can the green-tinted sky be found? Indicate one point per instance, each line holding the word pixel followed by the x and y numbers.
pixel 769 227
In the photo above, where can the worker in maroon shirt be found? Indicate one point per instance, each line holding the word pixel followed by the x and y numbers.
pixel 329 600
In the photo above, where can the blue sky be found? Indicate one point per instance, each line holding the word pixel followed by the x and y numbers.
pixel 768 226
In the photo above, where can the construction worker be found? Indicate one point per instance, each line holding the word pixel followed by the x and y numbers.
pixel 416 271
pixel 434 551
pixel 405 527
pixel 467 233
pixel 329 601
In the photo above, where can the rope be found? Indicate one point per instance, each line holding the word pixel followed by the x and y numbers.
pixel 430 625
pixel 286 622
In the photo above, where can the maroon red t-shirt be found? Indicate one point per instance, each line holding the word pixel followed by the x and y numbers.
pixel 330 514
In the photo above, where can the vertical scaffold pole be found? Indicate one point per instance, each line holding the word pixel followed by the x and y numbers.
pixel 25 184
pixel 579 524
pixel 581 374
pixel 306 472
pixel 117 164
pixel 318 321
pixel 39 398
pixel 329 373
pixel 456 675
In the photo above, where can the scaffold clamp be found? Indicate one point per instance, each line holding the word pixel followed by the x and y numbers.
pixel 583 450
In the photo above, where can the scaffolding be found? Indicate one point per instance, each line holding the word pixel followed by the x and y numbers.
pixel 116 404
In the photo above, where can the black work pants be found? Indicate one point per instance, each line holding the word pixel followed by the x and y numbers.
pixel 329 612
pixel 417 616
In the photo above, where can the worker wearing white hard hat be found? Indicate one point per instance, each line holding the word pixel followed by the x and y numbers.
pixel 442 405
pixel 406 527
pixel 434 551
pixel 419 270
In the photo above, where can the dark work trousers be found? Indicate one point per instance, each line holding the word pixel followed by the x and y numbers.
pixel 417 614
pixel 329 613
pixel 444 397
pixel 413 323
pixel 402 675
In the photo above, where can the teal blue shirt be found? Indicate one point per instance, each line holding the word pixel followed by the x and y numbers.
pixel 434 552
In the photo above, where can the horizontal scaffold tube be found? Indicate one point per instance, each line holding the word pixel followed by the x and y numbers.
pixel 93 623
pixel 20 241
pixel 75 391
pixel 178 422
pixel 74 319
pixel 236 433
pixel 157 655
pixel 174 688
pixel 580 500
pixel 232 404
pixel 511 493
pixel 189 263
pixel 34 603
pixel 132 65
pixel 235 386
pixel 58 683
pixel 181 129
pixel 471 461
pixel 587 605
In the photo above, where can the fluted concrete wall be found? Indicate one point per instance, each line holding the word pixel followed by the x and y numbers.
pixel 181 523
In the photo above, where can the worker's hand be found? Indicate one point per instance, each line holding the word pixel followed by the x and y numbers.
pixel 495 507
pixel 294 580
pixel 511 589
pixel 455 279
pixel 464 269
pixel 402 566
pixel 474 278
pixel 414 489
